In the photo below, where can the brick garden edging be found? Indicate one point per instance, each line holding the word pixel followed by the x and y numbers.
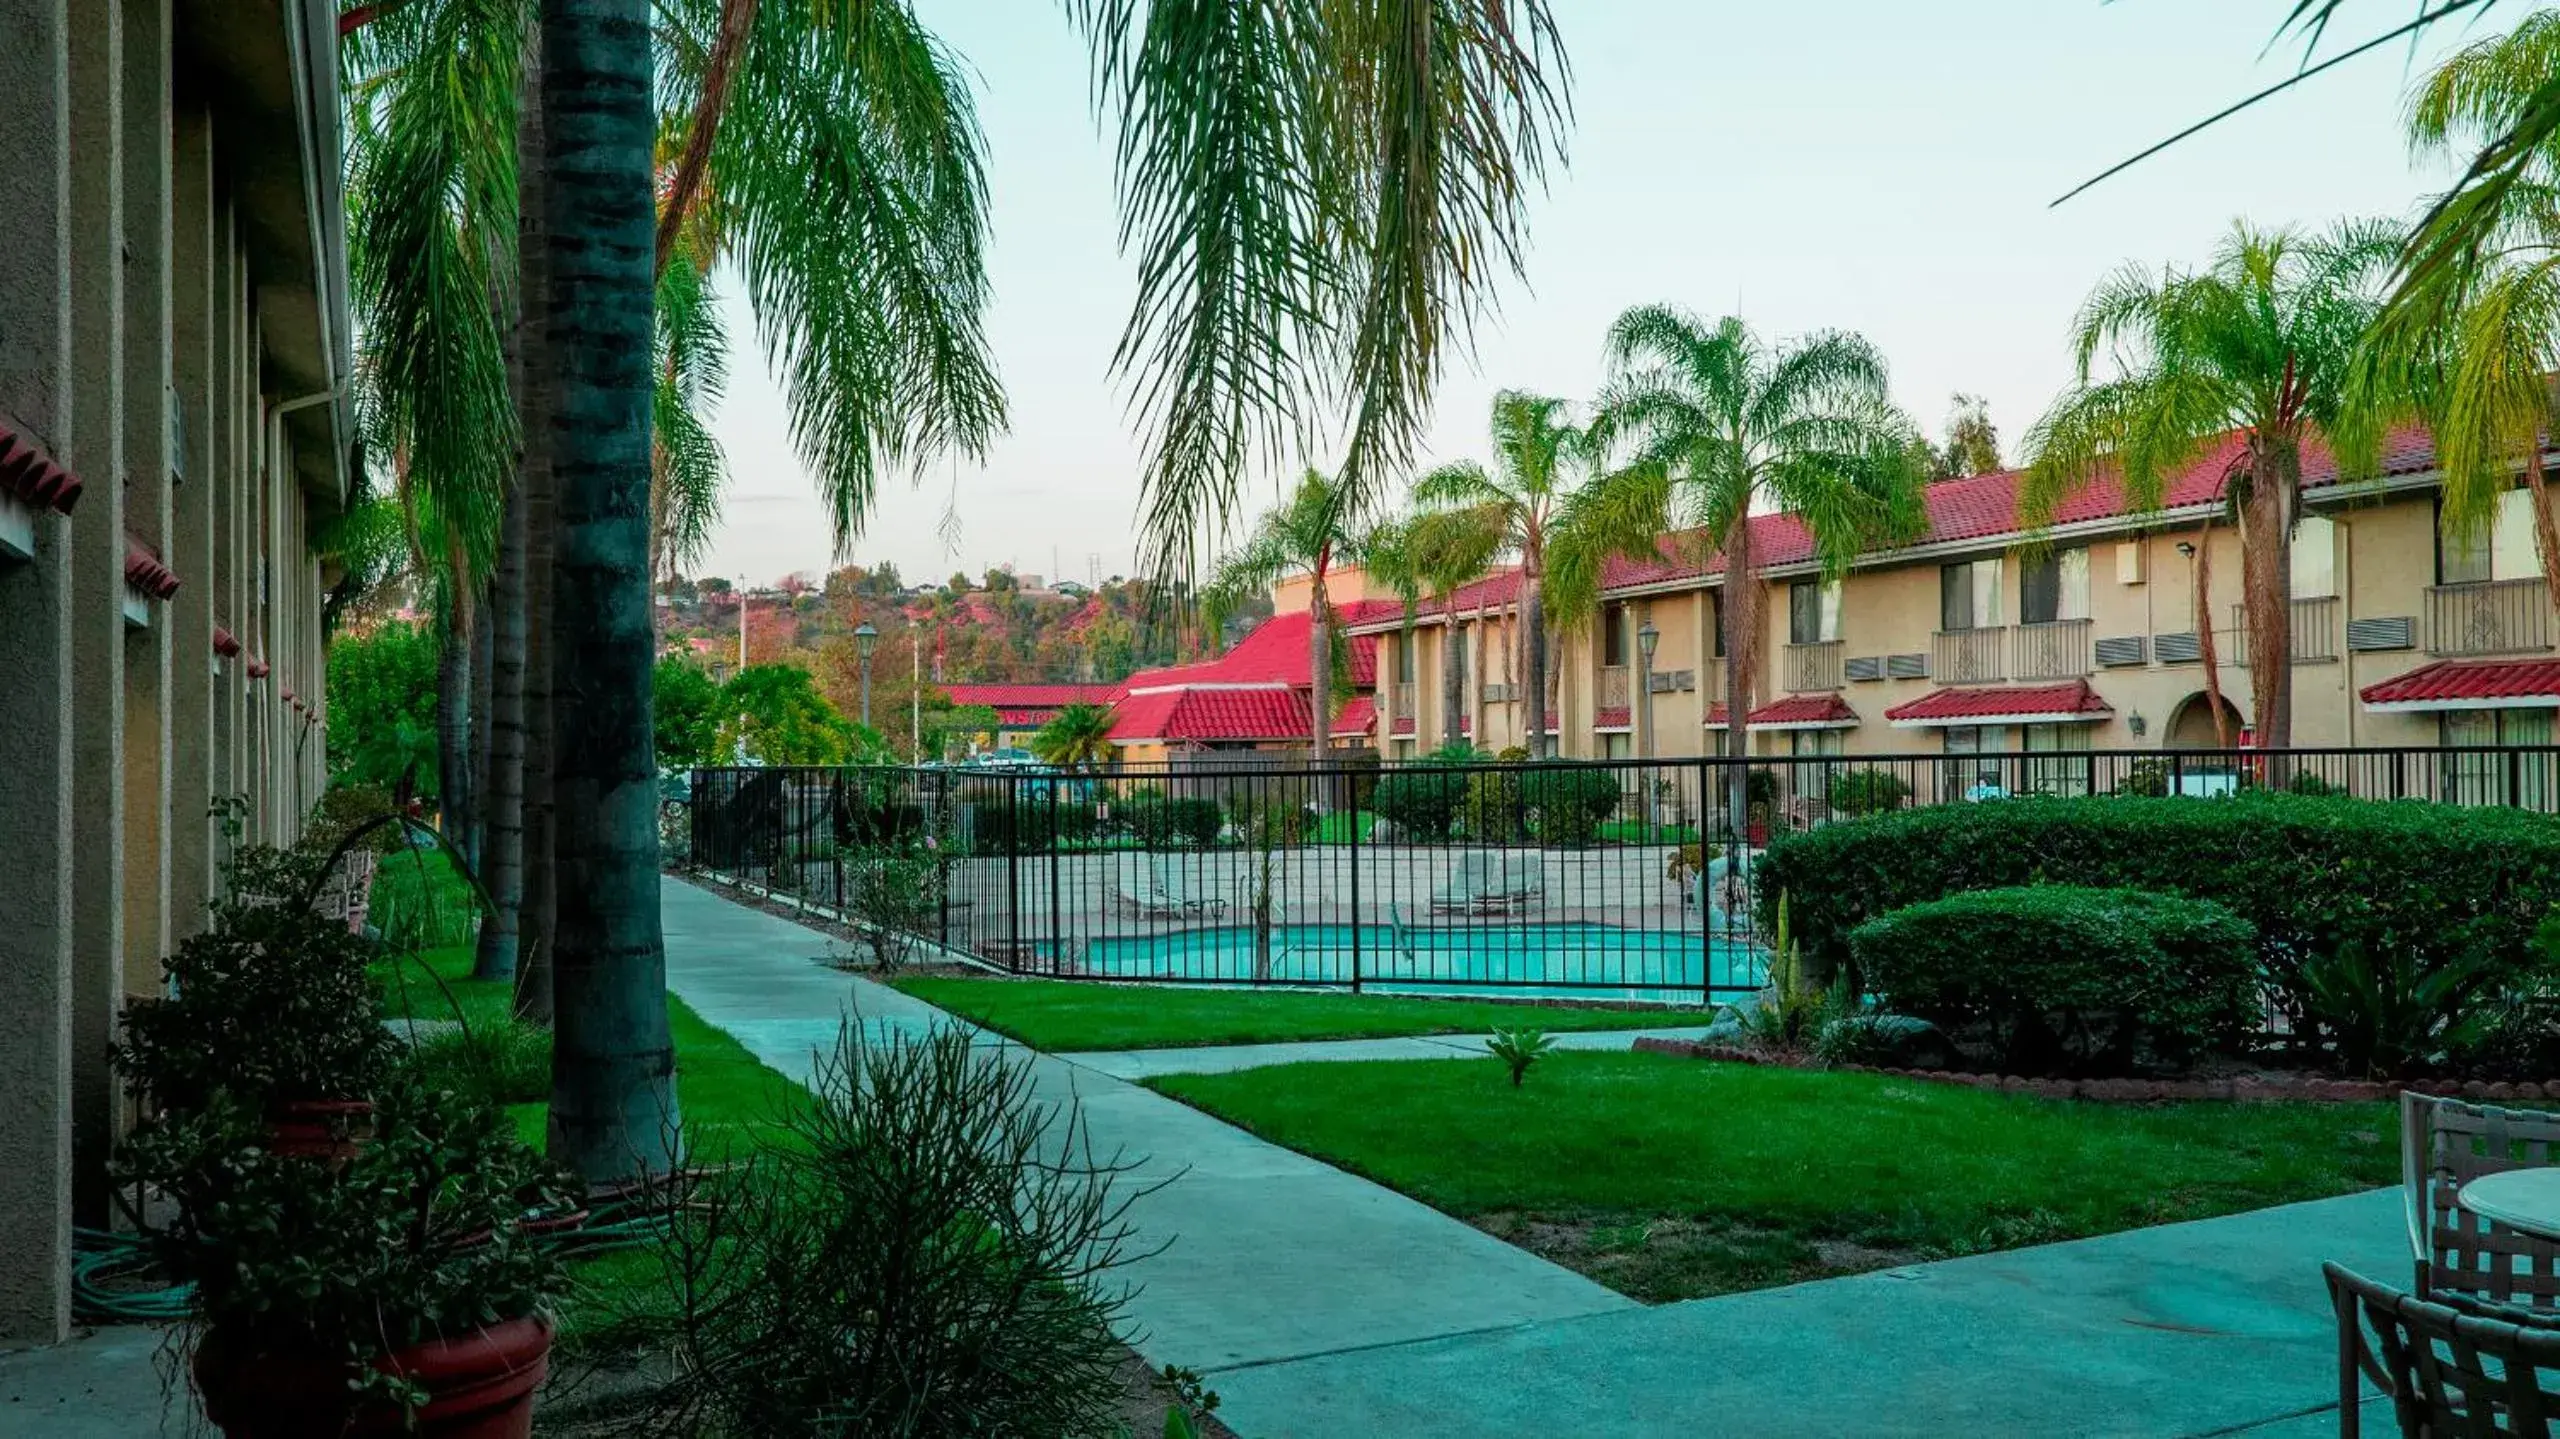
pixel 2247 1088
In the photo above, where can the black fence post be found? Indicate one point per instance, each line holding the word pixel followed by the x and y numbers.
pixel 1013 872
pixel 1353 815
pixel 1051 851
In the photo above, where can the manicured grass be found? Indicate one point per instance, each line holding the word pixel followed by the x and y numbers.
pixel 1337 826
pixel 1064 1016
pixel 1670 1178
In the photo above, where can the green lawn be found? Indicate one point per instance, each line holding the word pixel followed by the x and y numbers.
pixel 1671 1178
pixel 1064 1016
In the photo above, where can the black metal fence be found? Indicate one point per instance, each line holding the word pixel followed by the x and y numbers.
pixel 1621 880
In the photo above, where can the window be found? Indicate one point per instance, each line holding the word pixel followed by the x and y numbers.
pixel 1613 635
pixel 1465 641
pixel 1406 643
pixel 1969 595
pixel 2315 558
pixel 2051 587
pixel 2522 780
pixel 1813 612
pixel 2058 775
pixel 1715 622
pixel 2500 550
pixel 1973 772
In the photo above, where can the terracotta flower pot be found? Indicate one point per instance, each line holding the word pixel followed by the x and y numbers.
pixel 332 1129
pixel 479 1386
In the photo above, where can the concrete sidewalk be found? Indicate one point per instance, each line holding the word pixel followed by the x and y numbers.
pixel 1226 1058
pixel 1320 1304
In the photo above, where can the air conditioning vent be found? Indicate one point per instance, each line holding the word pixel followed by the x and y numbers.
pixel 1867 667
pixel 1906 667
pixel 1671 681
pixel 2398 632
pixel 2177 649
pixel 2120 650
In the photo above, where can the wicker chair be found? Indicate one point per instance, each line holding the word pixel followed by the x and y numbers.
pixel 2445 1144
pixel 2446 1372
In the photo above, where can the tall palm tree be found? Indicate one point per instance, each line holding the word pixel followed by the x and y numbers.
pixel 2260 344
pixel 1434 554
pixel 1077 737
pixel 1309 531
pixel 1539 456
pixel 1717 426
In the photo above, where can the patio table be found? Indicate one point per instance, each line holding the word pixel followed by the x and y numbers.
pixel 2525 1200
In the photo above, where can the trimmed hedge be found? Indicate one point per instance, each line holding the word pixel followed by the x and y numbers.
pixel 1565 806
pixel 1421 801
pixel 2058 978
pixel 2431 881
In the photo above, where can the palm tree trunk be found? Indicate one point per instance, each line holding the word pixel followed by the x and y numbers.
pixel 1452 680
pixel 1319 665
pixel 453 731
pixel 1741 612
pixel 2206 649
pixel 534 404
pixel 1533 619
pixel 483 639
pixel 2275 472
pixel 613 1100
pixel 502 853
pixel 2546 530
pixel 737 18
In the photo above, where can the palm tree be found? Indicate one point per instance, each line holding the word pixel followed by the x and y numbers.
pixel 1538 454
pixel 2260 345
pixel 1077 738
pixel 1434 553
pixel 1309 532
pixel 1718 426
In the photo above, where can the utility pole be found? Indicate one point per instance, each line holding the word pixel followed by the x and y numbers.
pixel 742 627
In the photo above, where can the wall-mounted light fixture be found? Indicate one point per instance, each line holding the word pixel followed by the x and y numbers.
pixel 2136 723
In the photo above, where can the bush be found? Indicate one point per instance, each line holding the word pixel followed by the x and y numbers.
pixel 2056 977
pixel 1422 802
pixel 1492 812
pixel 1868 791
pixel 1160 821
pixel 1565 806
pixel 2425 881
pixel 493 1064
pixel 343 808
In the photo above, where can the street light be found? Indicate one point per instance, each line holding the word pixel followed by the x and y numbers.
pixel 865 640
pixel 1646 638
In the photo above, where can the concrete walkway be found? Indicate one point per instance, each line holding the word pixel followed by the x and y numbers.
pixel 1227 1058
pixel 1320 1304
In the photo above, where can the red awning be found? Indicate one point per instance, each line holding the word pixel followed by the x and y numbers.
pixel 31 475
pixel 225 643
pixel 2073 703
pixel 1613 717
pixel 143 571
pixel 1359 716
pixel 2469 684
pixel 1816 711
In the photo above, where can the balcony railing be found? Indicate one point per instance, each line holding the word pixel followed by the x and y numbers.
pixel 2056 650
pixel 1404 709
pixel 1958 657
pixel 1814 666
pixel 1613 687
pixel 2499 617
pixel 2315 631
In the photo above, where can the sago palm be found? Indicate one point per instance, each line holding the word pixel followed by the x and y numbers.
pixel 2259 345
pixel 1716 426
pixel 1077 738
pixel 1539 457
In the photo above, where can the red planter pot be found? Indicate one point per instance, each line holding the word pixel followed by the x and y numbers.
pixel 479 1386
pixel 332 1129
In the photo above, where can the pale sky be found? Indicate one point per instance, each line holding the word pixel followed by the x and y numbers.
pixel 1882 166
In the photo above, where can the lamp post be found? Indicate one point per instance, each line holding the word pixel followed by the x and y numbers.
pixel 865 640
pixel 1646 638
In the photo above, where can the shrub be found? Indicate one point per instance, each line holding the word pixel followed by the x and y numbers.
pixel 1492 812
pixel 893 897
pixel 2429 882
pixel 1421 801
pixel 1565 806
pixel 2387 1016
pixel 1518 1049
pixel 926 1248
pixel 494 1064
pixel 1160 821
pixel 343 808
pixel 2057 977
pixel 2145 779
pixel 1868 791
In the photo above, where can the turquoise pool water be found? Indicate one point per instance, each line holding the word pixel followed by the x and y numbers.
pixel 1586 960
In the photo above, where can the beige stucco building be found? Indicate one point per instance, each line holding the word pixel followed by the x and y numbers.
pixel 1983 638
pixel 173 434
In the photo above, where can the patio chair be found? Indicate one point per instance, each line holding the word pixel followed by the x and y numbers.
pixel 1172 884
pixel 1140 894
pixel 2446 1372
pixel 1485 883
pixel 2445 1144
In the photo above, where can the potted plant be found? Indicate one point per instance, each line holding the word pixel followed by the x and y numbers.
pixel 395 1292
pixel 271 1006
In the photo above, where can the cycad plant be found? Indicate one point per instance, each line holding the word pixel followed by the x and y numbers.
pixel 1714 425
pixel 2259 346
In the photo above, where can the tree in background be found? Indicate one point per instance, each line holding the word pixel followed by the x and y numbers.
pixel 2261 345
pixel 1079 738
pixel 685 706
pixel 382 709
pixel 1309 532
pixel 773 714
pixel 1717 426
pixel 1973 442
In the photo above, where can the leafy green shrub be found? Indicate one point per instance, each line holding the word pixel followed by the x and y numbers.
pixel 1868 791
pixel 2388 1016
pixel 1492 812
pixel 1565 806
pixel 343 808
pixel 1518 1049
pixel 2057 977
pixel 2145 779
pixel 2424 881
pixel 1421 801
pixel 1079 822
pixel 1160 821
pixel 494 1064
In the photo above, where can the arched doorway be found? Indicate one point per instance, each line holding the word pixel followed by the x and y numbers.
pixel 2191 723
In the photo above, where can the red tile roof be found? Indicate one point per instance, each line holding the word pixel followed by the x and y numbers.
pixel 1277 652
pixel 1403 724
pixel 1199 713
pixel 1612 717
pixel 2463 684
pixel 1976 706
pixel 1023 706
pixel 1804 711
pixel 143 571
pixel 1359 716
pixel 30 474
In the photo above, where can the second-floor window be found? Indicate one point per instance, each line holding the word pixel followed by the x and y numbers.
pixel 2315 558
pixel 1613 635
pixel 1405 644
pixel 1813 612
pixel 2051 587
pixel 1969 595
pixel 2499 550
pixel 1715 622
pixel 1464 638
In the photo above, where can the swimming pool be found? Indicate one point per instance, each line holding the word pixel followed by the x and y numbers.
pixel 1584 960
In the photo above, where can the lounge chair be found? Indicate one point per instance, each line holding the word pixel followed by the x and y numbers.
pixel 1490 884
pixel 2445 1144
pixel 2446 1370
pixel 1173 886
pixel 1138 894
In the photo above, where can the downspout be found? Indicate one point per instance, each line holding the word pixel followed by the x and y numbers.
pixel 2346 621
